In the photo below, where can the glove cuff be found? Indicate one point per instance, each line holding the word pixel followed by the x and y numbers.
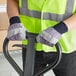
pixel 14 19
pixel 61 27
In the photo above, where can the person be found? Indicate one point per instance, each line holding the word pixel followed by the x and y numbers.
pixel 54 21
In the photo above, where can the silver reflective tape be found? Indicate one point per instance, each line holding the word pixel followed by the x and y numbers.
pixel 69 9
pixel 47 16
pixel 51 16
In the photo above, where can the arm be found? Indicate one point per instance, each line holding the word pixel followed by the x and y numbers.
pixel 71 22
pixel 16 30
pixel 50 36
pixel 12 8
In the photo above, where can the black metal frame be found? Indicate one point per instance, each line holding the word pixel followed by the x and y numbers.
pixel 30 51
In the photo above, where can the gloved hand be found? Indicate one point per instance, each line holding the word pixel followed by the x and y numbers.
pixel 51 35
pixel 16 30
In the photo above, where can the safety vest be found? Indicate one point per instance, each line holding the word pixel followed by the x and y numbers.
pixel 37 15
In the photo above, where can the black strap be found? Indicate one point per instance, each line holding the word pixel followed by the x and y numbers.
pixel 30 56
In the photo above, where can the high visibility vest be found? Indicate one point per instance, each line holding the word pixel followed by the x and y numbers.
pixel 37 15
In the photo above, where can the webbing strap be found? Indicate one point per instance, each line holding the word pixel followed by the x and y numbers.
pixel 48 16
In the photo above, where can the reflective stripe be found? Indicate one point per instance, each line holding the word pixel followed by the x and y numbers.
pixel 25 11
pixel 51 16
pixel 47 16
pixel 60 17
pixel 69 8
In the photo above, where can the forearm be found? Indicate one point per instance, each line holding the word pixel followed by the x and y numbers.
pixel 12 8
pixel 71 22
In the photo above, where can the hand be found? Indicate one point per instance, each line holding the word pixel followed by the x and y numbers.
pixel 49 37
pixel 16 31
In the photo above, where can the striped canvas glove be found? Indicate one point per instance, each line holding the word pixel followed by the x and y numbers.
pixel 16 30
pixel 51 35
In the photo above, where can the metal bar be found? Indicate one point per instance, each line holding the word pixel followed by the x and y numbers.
pixel 53 64
pixel 9 58
pixel 30 55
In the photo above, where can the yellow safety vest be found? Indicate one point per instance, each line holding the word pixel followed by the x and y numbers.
pixel 37 15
